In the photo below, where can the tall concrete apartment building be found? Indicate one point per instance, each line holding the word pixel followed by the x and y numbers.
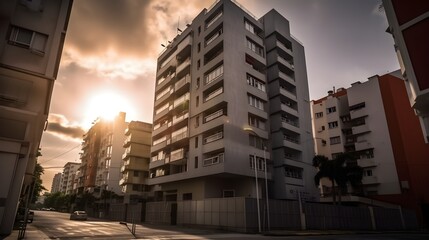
pixel 231 87
pixel 135 166
pixel 101 156
pixel 409 24
pixel 32 35
pixel 56 182
pixel 68 177
pixel 374 121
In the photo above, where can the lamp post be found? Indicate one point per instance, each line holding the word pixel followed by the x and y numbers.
pixel 266 189
pixel 248 129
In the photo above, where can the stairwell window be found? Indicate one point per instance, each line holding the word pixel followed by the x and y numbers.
pixel 335 140
pixel 319 114
pixel 29 39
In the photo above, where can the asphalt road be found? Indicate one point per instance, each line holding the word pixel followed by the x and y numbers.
pixel 58 226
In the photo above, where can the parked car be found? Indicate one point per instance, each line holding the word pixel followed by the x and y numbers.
pixel 78 215
pixel 20 215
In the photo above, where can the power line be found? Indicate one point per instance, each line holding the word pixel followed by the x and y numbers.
pixel 62 154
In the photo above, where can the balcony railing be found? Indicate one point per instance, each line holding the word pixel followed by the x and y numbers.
pixel 181 100
pixel 213 160
pixel 214 115
pixel 186 79
pixel 290 122
pixel 291 139
pixel 177 155
pixel 179 137
pixel 213 137
pixel 179 118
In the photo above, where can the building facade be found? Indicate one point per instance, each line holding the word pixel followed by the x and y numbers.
pixel 56 182
pixel 101 156
pixel 32 37
pixel 374 122
pixel 212 110
pixel 68 177
pixel 408 24
pixel 136 157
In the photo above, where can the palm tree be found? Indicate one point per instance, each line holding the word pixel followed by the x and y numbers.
pixel 341 170
pixel 326 169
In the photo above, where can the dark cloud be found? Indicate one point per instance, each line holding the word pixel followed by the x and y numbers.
pixel 58 124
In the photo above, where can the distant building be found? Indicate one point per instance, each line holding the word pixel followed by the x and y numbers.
pixel 101 156
pixel 135 167
pixel 56 182
pixel 231 94
pixel 32 35
pixel 409 25
pixel 373 121
pixel 68 177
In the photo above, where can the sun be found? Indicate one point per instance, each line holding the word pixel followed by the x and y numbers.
pixel 107 105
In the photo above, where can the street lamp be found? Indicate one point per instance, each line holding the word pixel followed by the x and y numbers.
pixel 248 129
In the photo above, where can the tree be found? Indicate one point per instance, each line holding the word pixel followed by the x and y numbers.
pixel 38 183
pixel 341 170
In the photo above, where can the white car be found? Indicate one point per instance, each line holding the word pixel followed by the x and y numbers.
pixel 78 215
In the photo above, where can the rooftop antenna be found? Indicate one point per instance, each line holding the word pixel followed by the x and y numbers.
pixel 178 29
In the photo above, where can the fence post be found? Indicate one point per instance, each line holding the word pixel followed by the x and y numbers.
pixel 402 217
pixel 301 213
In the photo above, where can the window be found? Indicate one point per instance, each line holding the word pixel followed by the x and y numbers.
pixel 256 142
pixel 213 75
pixel 335 140
pixel 197 85
pixel 25 38
pixel 197 121
pixel 249 27
pixel 259 163
pixel 319 114
pixel 256 48
pixel 256 102
pixel 199 47
pixel 323 128
pixel 159 140
pixel 213 94
pixel 199 30
pixel 136 187
pixel 254 82
pixel 196 141
pixel 367 173
pixel 331 110
pixel 345 118
pixel 333 125
pixel 335 155
pixel 256 122
pixel 136 173
pixel 198 64
pixel 196 162
pixel 293 172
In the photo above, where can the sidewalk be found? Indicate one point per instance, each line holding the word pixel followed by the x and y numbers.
pixel 30 233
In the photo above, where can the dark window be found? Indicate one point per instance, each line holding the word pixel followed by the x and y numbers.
pixel 196 162
pixel 187 196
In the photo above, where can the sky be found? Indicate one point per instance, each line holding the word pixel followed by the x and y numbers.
pixel 109 58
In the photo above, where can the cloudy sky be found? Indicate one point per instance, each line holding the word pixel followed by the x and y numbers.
pixel 109 58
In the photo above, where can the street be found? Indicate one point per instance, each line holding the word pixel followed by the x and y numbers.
pixel 58 226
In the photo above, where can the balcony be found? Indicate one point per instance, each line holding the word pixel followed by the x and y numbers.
pixel 160 145
pixel 184 43
pixel 181 100
pixel 179 136
pixel 286 78
pixel 287 93
pixel 127 141
pixel 368 180
pixel 291 143
pixel 285 63
pixel 363 145
pixel 284 48
pixel 157 163
pixel 161 128
pixel 361 129
pixel 290 124
pixel 177 155
pixel 177 119
pixel 183 65
pixel 358 113
pixel 182 82
pixel 289 109
pixel 164 95
pixel 367 162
